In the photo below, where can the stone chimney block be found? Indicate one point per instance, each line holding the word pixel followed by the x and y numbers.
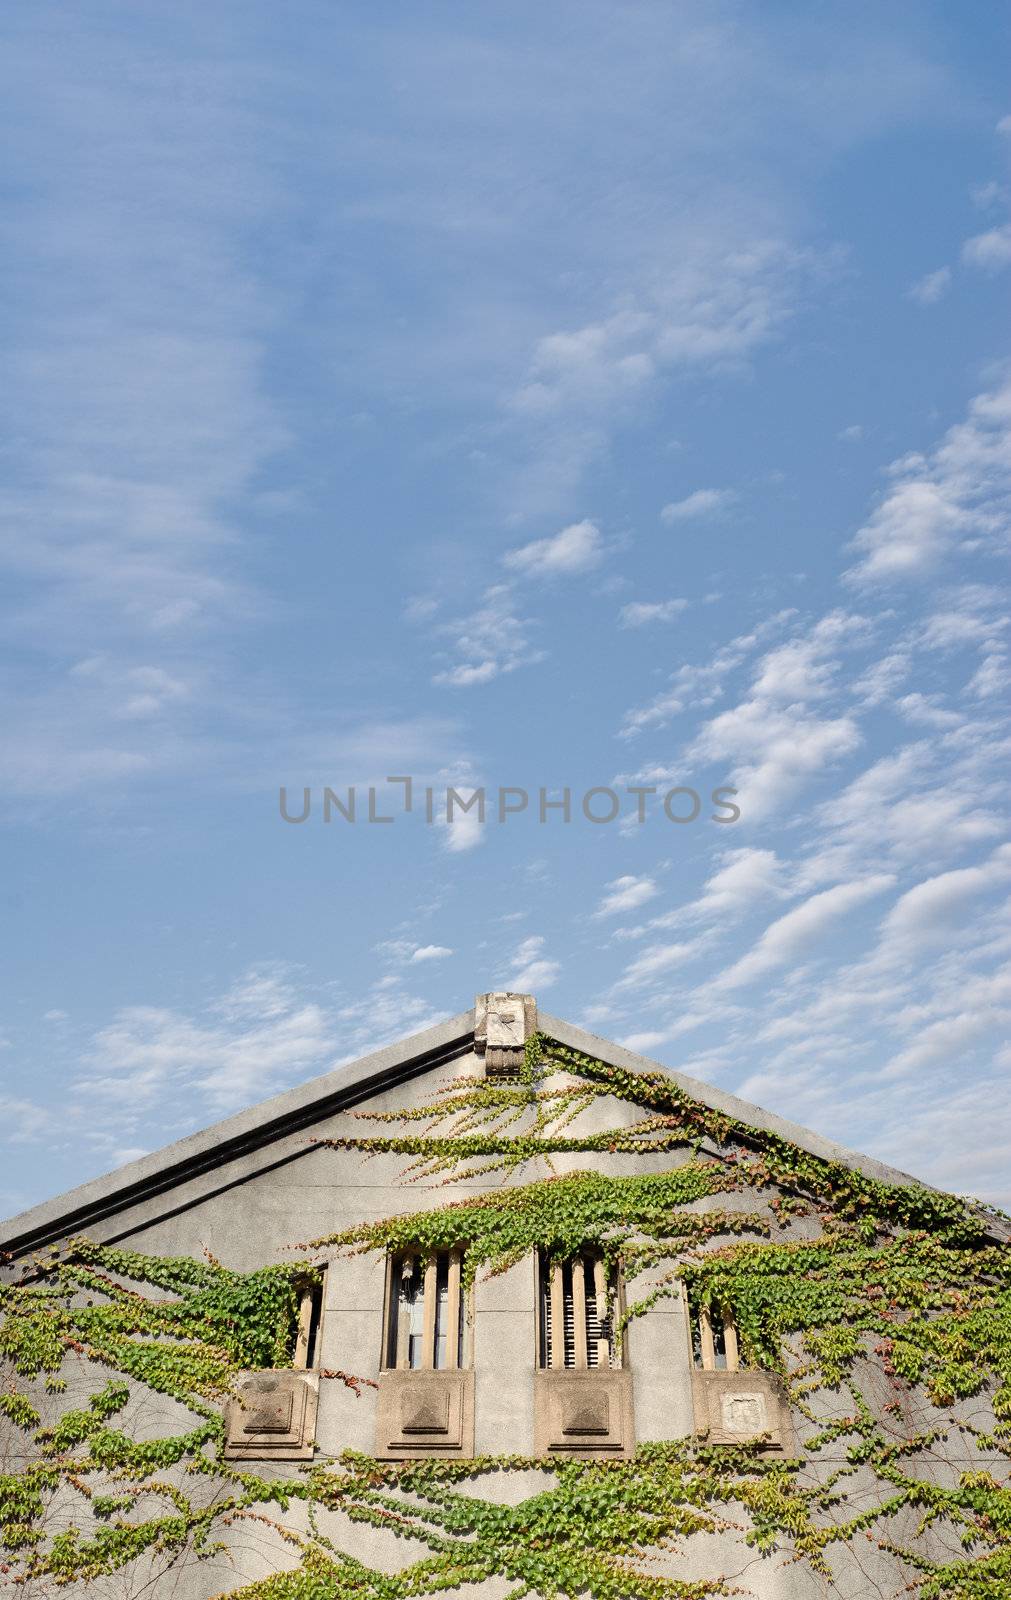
pixel 502 1025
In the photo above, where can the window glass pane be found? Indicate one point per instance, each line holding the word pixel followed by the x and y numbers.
pixel 416 1320
pixel 441 1308
pixel 719 1340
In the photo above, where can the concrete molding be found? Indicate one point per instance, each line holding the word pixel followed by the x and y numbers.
pixel 424 1413
pixel 737 1407
pixel 271 1416
pixel 587 1415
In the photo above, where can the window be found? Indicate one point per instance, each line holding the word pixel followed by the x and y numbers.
pixel 425 1312
pixel 577 1311
pixel 714 1334
pixel 310 1317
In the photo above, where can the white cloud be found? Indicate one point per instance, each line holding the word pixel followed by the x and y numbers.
pixel 639 612
pixel 493 640
pixel 991 678
pixel 792 934
pixel 937 501
pixel 430 952
pixel 774 750
pixel 914 807
pixel 879 681
pixel 928 290
pixel 700 503
pixel 641 1042
pixel 709 311
pixel 745 876
pixel 258 1037
pixel 927 712
pixel 851 434
pixel 465 832
pixel 656 714
pixel 530 969
pixel 575 549
pixel 625 894
pixel 933 909
pixel 803 668
pixel 656 961
pixel 945 1041
pixel 700 684
pixel 990 250
pixel 24 1122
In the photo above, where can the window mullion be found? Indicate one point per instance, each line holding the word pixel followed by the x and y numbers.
pixel 557 1316
pixel 301 1356
pixel 453 1311
pixel 730 1341
pixel 579 1313
pixel 404 1312
pixel 708 1344
pixel 600 1296
pixel 431 1293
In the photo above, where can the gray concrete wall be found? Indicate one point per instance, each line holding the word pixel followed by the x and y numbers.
pixel 253 1209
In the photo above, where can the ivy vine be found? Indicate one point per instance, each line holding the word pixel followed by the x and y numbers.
pixel 917 1280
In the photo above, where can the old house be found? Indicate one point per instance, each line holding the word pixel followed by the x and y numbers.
pixel 506 1309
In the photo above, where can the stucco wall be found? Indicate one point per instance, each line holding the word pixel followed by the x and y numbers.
pixel 254 1209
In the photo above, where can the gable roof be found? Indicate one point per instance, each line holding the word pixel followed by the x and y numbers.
pixel 346 1086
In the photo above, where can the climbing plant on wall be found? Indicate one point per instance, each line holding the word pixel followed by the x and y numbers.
pixel 913 1279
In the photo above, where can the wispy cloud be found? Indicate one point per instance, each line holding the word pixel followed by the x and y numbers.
pixel 990 250
pixel 577 548
pixel 625 894
pixel 530 969
pixel 700 503
pixel 638 613
pixel 933 909
pixel 258 1037
pixel 933 286
pixel 793 934
pixel 492 640
pixel 942 500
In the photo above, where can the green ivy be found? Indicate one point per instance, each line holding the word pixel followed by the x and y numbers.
pixel 911 1275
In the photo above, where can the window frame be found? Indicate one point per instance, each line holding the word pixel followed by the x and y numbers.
pixel 309 1328
pixel 395 1351
pixel 704 1354
pixel 552 1359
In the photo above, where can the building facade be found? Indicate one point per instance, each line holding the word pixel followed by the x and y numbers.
pixel 505 1309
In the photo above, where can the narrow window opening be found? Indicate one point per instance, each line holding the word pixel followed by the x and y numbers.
pixel 714 1339
pixel 310 1320
pixel 425 1318
pixel 576 1313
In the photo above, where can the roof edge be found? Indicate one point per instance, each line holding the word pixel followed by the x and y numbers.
pixel 252 1129
pixel 615 1055
pixel 74 1211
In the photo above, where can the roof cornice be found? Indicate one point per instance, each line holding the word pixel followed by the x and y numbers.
pixel 247 1131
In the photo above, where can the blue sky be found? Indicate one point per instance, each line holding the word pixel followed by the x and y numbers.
pixel 582 396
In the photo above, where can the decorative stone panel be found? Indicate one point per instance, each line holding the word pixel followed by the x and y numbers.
pixel 272 1415
pixel 736 1407
pixel 586 1413
pixel 425 1413
pixel 502 1025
